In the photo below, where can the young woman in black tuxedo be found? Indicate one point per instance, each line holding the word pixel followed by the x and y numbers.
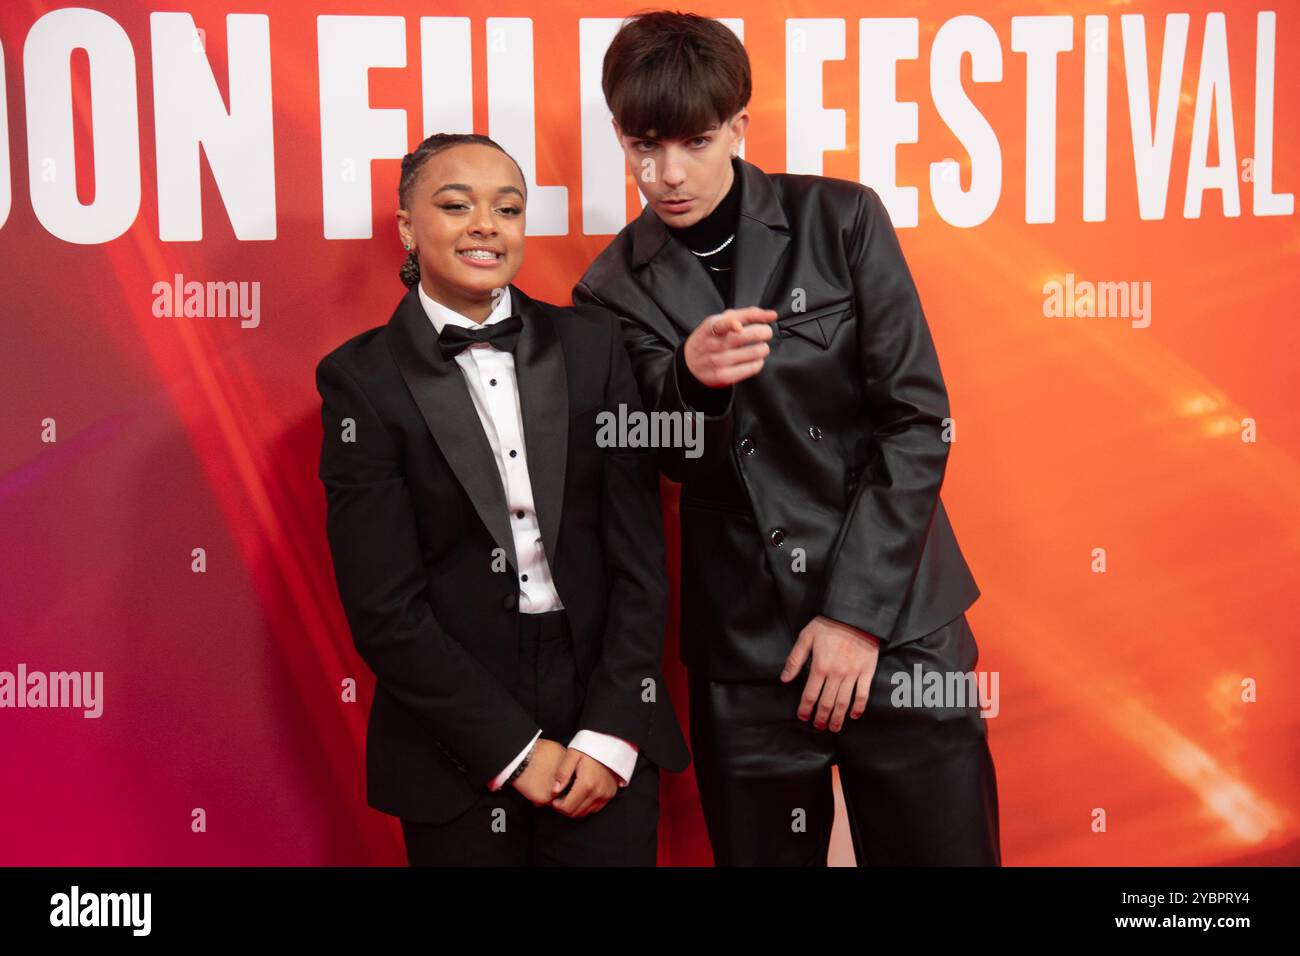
pixel 501 572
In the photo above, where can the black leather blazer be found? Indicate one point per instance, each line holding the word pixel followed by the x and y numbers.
pixel 415 512
pixel 818 488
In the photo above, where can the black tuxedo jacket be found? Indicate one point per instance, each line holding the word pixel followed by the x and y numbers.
pixel 818 488
pixel 425 563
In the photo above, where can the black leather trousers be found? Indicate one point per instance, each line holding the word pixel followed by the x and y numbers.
pixel 918 781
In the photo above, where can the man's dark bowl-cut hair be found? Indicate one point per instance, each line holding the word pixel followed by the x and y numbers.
pixel 672 75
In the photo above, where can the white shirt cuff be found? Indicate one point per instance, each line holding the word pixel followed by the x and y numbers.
pixel 614 752
pixel 500 779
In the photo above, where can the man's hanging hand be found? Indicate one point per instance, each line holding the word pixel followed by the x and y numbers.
pixel 843 664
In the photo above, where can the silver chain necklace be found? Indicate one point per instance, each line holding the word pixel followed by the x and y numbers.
pixel 712 251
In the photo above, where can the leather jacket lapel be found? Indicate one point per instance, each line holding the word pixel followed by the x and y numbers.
pixel 668 272
pixel 670 275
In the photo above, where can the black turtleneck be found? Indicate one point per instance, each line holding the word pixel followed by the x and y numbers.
pixel 705 236
pixel 713 231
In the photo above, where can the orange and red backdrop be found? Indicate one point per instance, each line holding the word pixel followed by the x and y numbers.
pixel 1124 487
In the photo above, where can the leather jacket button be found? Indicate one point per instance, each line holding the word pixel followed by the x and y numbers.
pixel 747 446
pixel 814 433
pixel 777 536
pixel 510 601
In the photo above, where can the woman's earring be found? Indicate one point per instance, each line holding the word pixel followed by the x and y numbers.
pixel 410 271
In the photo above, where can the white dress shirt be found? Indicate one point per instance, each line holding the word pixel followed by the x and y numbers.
pixel 490 375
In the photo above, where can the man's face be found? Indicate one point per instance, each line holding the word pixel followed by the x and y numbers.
pixel 683 180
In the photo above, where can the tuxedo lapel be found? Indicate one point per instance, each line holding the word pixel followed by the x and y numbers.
pixel 544 399
pixel 680 285
pixel 438 387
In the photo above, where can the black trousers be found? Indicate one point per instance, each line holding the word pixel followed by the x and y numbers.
pixel 918 782
pixel 503 828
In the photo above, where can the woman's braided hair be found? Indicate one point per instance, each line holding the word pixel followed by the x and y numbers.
pixel 413 162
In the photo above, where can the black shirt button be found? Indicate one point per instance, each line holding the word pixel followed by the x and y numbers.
pixel 814 433
pixel 513 453
pixel 747 446
pixel 519 514
pixel 777 536
pixel 523 577
pixel 492 382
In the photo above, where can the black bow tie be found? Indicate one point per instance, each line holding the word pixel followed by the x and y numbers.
pixel 504 335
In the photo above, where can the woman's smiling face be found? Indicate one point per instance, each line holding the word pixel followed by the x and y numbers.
pixel 466 222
